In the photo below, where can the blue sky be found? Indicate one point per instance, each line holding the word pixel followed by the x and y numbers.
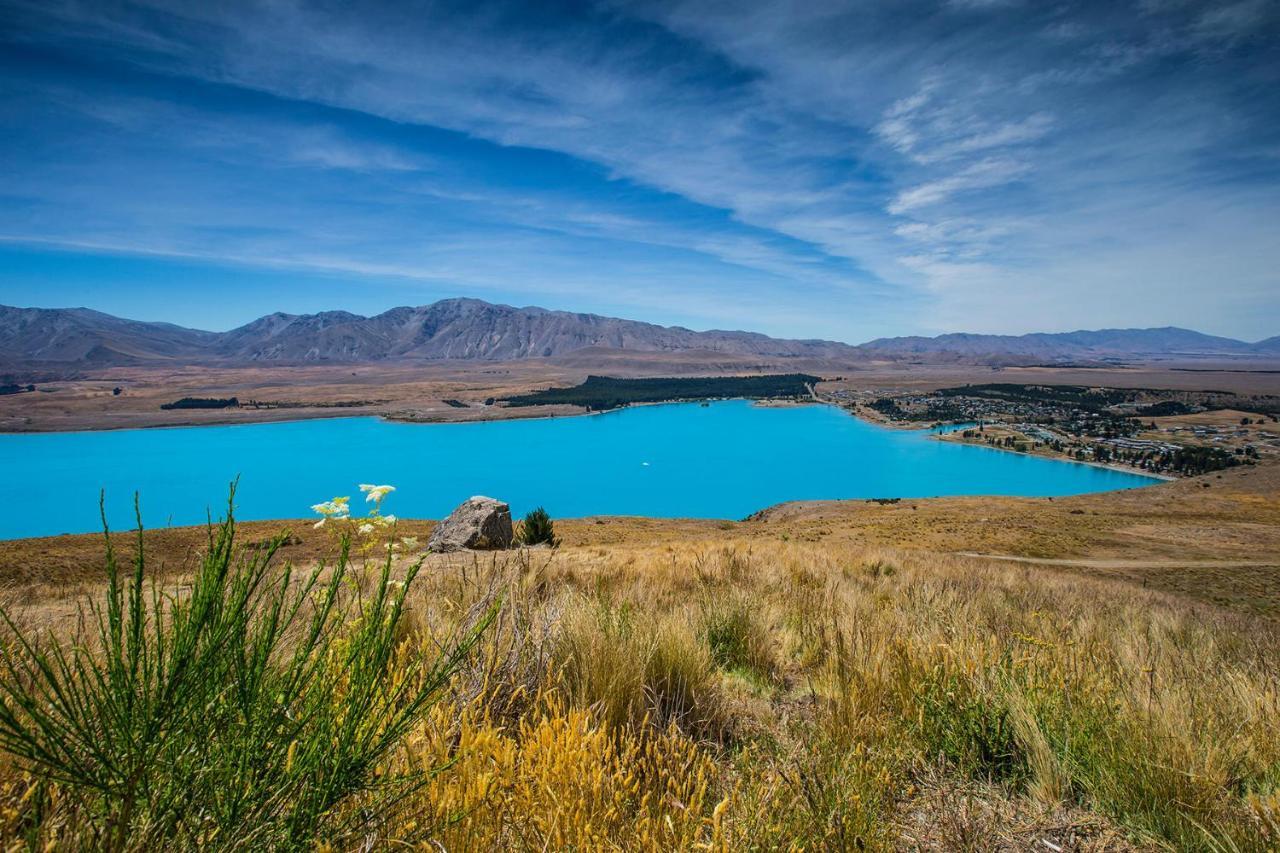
pixel 842 170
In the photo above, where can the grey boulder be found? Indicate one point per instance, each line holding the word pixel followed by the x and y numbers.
pixel 479 523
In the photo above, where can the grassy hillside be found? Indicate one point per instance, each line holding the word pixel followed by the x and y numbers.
pixel 829 676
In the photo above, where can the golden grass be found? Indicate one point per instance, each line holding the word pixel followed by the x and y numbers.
pixel 891 675
pixel 902 700
pixel 802 683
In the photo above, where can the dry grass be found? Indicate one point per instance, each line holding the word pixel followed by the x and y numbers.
pixel 722 695
pixel 902 699
pixel 805 681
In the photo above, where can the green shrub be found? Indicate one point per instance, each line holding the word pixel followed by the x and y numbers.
pixel 538 528
pixel 880 568
pixel 969 726
pixel 251 711
pixel 737 638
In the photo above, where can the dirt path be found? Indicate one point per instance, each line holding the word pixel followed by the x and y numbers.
pixel 1121 564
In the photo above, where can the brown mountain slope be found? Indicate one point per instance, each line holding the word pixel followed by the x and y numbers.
pixel 473 330
pixel 464 329
pixel 79 335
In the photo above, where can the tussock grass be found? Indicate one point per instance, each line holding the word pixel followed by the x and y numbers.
pixel 633 667
pixel 737 636
pixel 896 700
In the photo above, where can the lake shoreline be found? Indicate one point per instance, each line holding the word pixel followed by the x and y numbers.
pixel 678 460
pixel 942 436
pixel 500 414
pixel 258 417
pixel 491 414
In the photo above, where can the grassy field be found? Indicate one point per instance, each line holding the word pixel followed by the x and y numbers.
pixel 1104 675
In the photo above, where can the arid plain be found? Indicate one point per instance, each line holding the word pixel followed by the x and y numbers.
pixel 417 392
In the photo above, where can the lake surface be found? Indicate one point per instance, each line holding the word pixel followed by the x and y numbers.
pixel 724 460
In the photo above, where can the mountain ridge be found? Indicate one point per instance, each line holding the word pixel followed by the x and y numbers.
pixel 467 329
pixel 475 330
pixel 1164 340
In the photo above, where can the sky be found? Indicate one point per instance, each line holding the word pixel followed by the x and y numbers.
pixel 844 170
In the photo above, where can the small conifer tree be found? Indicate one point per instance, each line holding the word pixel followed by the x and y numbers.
pixel 537 528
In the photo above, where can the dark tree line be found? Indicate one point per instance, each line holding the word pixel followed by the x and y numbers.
pixel 605 392
pixel 203 403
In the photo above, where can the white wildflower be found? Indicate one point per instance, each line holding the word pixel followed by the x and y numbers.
pixel 366 529
pixel 410 541
pixel 375 494
pixel 336 508
pixel 319 523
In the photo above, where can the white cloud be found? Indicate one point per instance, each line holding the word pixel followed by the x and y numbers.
pixel 992 172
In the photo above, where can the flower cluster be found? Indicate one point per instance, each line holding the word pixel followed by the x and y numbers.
pixel 332 510
pixel 375 494
pixel 406 543
pixel 339 509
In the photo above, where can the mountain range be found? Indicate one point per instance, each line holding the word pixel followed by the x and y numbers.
pixel 470 329
pixel 1165 342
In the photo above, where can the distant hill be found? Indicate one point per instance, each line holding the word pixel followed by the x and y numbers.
pixel 470 329
pixel 1167 342
pixel 82 336
pixel 1270 345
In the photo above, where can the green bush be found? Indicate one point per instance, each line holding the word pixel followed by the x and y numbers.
pixel 251 711
pixel 968 726
pixel 538 528
pixel 737 638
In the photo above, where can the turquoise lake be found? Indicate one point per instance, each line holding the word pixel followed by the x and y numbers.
pixel 724 460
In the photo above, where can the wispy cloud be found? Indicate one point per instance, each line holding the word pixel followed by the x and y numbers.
pixel 851 167
pixel 992 172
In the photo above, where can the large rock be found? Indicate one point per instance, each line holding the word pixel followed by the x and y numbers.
pixel 478 523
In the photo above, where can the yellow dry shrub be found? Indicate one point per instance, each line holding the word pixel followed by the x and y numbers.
pixel 561 779
pixel 1264 811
